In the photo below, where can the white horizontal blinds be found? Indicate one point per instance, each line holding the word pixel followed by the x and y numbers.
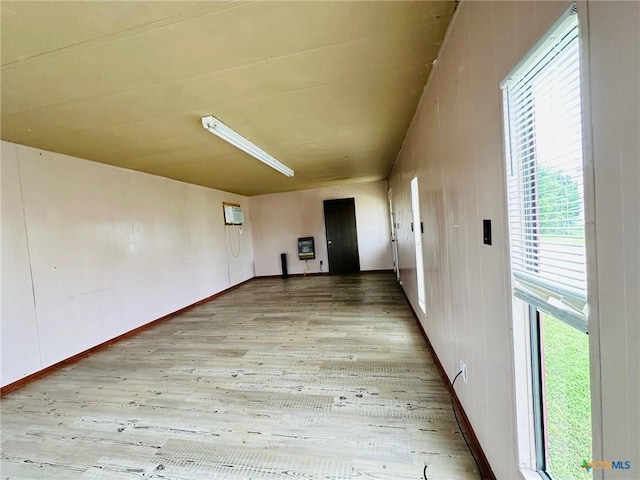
pixel 544 177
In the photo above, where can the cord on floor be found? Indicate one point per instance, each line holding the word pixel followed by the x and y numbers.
pixel 453 407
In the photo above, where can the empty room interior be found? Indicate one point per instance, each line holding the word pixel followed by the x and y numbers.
pixel 321 240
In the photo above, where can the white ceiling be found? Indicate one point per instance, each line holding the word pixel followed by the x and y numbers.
pixel 329 88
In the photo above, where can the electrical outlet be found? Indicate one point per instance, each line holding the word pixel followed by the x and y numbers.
pixel 463 369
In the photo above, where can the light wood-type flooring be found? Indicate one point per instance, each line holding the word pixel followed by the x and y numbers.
pixel 323 377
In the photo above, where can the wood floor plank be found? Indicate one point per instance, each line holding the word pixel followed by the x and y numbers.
pixel 323 377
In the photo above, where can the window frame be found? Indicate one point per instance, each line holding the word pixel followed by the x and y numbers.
pixel 533 286
pixel 526 318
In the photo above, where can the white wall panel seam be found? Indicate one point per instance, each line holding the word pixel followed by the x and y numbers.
pixel 26 231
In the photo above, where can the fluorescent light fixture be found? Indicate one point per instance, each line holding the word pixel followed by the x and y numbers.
pixel 218 128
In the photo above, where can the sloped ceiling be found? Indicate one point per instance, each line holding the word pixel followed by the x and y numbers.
pixel 328 88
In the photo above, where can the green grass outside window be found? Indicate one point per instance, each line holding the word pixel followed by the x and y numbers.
pixel 568 402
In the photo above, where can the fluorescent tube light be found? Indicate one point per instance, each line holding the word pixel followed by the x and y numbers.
pixel 218 128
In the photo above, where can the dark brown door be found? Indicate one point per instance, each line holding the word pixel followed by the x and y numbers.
pixel 342 237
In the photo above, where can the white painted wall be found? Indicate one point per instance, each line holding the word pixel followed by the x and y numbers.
pixel 20 353
pixel 280 219
pixel 614 57
pixel 455 148
pixel 91 251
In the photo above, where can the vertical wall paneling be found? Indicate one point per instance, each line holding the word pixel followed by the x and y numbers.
pixel 455 146
pixel 18 323
pixel 109 250
pixel 614 55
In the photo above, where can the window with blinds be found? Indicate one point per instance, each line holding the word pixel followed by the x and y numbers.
pixel 543 143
